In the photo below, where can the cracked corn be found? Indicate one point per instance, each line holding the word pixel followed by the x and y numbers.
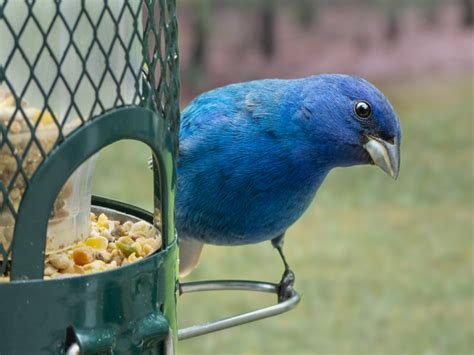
pixel 111 244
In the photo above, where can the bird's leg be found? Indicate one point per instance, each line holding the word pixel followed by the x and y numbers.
pixel 285 287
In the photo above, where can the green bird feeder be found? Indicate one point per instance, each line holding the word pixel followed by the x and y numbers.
pixel 75 77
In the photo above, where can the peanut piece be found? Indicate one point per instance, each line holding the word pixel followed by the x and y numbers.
pixel 60 261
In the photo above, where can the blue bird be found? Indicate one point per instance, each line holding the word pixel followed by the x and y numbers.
pixel 252 155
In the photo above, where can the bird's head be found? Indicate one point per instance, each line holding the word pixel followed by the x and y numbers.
pixel 359 124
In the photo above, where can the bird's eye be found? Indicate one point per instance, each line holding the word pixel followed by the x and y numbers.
pixel 363 109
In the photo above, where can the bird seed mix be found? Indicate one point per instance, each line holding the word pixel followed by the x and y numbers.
pixel 111 244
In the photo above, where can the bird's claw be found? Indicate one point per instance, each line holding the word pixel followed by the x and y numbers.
pixel 285 287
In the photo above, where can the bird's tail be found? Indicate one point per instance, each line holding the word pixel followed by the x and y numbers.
pixel 189 253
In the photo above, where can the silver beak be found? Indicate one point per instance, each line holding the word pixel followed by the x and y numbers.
pixel 384 154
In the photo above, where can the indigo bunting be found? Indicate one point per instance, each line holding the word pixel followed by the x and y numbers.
pixel 252 155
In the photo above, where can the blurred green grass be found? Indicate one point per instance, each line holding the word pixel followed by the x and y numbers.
pixel 384 267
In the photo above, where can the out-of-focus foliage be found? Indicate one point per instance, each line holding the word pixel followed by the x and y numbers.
pixel 227 41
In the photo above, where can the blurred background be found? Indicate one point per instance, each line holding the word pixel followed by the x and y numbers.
pixel 384 267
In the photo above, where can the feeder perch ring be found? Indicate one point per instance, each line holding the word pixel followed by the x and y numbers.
pixel 239 319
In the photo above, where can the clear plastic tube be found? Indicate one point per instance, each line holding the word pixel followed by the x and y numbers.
pixel 58 72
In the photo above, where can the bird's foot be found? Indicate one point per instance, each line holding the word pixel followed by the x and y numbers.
pixel 285 287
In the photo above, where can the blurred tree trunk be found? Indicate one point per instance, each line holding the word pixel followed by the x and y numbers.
pixel 201 34
pixel 393 21
pixel 432 13
pixel 267 35
pixel 468 12
pixel 307 12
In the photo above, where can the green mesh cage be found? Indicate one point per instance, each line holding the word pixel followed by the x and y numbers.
pixel 76 76
pixel 62 63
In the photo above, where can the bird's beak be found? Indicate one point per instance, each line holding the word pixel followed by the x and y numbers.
pixel 384 154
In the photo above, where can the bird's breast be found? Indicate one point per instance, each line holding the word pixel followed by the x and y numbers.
pixel 242 200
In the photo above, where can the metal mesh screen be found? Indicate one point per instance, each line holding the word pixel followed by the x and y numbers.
pixel 63 63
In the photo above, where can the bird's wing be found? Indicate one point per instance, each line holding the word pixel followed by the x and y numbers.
pixel 223 112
